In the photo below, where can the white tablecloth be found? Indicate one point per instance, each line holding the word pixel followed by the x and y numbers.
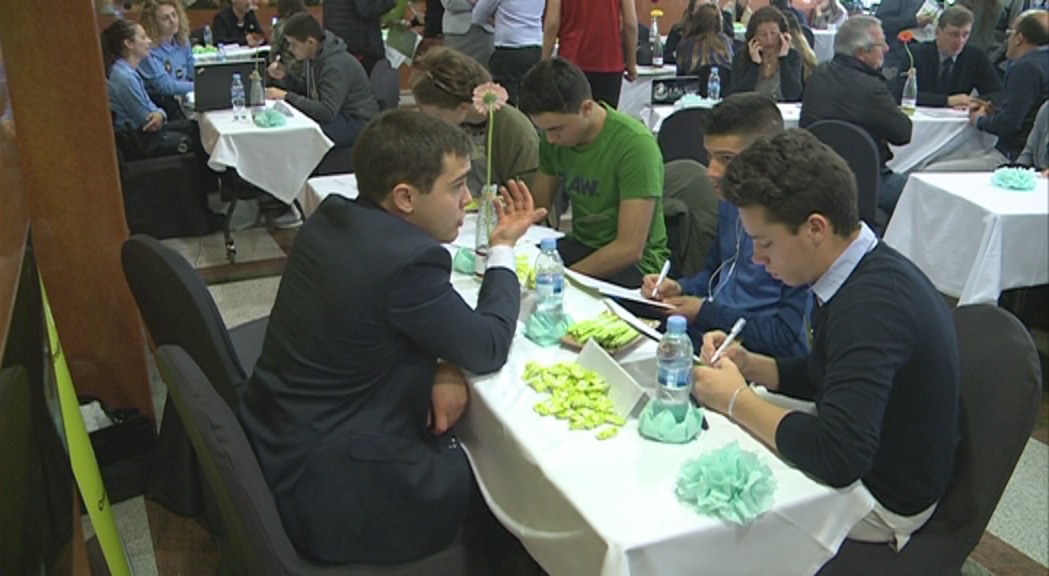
pixel 971 239
pixel 277 160
pixel 937 133
pixel 587 507
pixel 824 44
pixel 634 96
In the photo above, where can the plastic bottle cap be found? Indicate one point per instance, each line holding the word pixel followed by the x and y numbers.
pixel 676 324
pixel 236 75
pixel 548 244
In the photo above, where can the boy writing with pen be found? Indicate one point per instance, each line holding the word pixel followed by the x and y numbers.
pixel 732 285
pixel 883 369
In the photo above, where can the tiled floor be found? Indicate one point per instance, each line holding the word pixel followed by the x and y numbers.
pixel 1016 541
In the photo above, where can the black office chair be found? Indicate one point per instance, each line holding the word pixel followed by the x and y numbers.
pixel 690 210
pixel 1001 386
pixel 254 540
pixel 860 152
pixel 681 136
pixel 386 84
pixel 178 309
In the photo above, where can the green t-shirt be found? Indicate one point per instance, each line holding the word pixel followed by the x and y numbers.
pixel 623 163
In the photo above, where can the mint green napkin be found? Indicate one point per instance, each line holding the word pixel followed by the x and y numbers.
pixel 728 483
pixel 1014 179
pixel 268 118
pixel 659 424
pixel 464 260
pixel 545 333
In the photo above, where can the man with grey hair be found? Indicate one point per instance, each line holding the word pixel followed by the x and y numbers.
pixel 851 88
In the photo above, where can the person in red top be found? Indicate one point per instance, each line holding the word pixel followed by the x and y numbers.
pixel 594 35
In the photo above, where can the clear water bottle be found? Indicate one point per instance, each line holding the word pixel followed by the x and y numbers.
pixel 657 43
pixel 236 97
pixel 674 365
pixel 209 39
pixel 550 282
pixel 714 84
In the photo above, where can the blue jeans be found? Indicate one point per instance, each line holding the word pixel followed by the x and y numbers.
pixel 343 131
pixel 891 188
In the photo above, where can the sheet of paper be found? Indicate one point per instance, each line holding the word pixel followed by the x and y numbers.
pixel 614 290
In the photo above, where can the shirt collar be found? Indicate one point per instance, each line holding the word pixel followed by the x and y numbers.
pixel 953 59
pixel 827 286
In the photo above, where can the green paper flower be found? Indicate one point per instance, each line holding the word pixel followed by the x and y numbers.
pixel 728 483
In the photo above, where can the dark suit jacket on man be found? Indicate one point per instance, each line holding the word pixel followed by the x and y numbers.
pixel 337 407
pixel 972 69
pixel 847 89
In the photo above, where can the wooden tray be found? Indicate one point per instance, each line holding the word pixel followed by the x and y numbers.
pixel 574 344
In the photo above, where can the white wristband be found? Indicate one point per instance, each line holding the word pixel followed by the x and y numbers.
pixel 732 402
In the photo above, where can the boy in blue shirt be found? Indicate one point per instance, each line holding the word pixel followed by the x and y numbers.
pixel 732 286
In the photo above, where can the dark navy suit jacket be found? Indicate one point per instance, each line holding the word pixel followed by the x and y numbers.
pixel 337 406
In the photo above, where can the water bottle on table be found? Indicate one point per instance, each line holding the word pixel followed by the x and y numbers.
pixel 209 39
pixel 550 283
pixel 674 366
pixel 236 97
pixel 714 84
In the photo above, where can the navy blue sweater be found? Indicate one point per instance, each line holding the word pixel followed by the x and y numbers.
pixel 884 374
pixel 1026 87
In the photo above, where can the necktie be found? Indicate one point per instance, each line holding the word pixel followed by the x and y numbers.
pixel 945 76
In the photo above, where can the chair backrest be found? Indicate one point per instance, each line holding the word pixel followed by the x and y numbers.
pixel 386 84
pixel 681 136
pixel 1000 391
pixel 690 208
pixel 253 538
pixel 1001 388
pixel 252 529
pixel 178 310
pixel 860 152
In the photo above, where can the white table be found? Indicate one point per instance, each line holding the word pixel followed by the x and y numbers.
pixel 824 44
pixel 587 507
pixel 634 96
pixel 937 133
pixel 971 239
pixel 277 160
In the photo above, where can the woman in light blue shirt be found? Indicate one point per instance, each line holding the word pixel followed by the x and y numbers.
pixel 169 69
pixel 124 46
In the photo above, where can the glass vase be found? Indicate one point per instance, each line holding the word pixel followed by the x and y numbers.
pixel 909 101
pixel 486 221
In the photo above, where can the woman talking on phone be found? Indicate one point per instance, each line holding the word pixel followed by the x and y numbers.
pixel 768 64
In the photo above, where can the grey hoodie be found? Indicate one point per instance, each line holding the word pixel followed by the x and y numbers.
pixel 332 83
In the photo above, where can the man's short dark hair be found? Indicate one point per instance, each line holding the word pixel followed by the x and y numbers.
pixel 556 86
pixel 403 146
pixel 1030 26
pixel 302 26
pixel 956 16
pixel 794 175
pixel 747 115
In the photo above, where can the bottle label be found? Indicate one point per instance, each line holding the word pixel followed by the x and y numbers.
pixel 675 377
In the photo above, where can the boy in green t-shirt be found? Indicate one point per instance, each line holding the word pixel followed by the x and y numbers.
pixel 611 169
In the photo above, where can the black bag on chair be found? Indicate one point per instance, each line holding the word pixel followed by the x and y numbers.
pixel 174 138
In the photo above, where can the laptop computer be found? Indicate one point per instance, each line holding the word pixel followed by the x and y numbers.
pixel 211 82
pixel 670 89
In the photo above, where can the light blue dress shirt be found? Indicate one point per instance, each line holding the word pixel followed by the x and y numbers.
pixel 169 69
pixel 518 23
pixel 128 100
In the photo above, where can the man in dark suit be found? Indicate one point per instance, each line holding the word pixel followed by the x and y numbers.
pixel 351 405
pixel 948 69
pixel 851 88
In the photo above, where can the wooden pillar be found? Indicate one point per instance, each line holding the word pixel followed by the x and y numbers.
pixel 64 136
